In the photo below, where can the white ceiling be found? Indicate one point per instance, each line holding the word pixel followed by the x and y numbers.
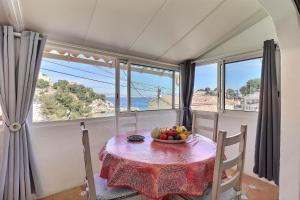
pixel 164 30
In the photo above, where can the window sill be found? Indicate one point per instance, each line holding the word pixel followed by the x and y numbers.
pixel 238 114
pixel 70 122
pixel 87 120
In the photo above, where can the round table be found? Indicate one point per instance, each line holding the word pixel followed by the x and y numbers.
pixel 158 169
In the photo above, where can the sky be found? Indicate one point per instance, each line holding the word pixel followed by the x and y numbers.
pixel 102 79
pixel 236 74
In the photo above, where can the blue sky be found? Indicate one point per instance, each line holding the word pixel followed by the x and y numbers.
pixel 145 85
pixel 236 74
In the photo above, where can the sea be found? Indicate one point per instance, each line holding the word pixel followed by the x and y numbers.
pixel 137 102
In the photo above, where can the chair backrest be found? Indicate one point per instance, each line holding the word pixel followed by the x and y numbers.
pixel 204 127
pixel 126 121
pixel 89 179
pixel 221 164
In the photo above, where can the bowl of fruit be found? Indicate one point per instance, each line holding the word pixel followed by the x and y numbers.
pixel 175 135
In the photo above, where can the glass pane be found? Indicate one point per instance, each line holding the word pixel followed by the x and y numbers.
pixel 177 90
pixel 205 96
pixel 123 86
pixel 69 90
pixel 151 88
pixel 242 85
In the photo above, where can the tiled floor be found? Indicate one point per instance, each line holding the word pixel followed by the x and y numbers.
pixel 254 189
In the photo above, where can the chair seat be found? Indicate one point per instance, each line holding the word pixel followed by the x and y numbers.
pixel 227 195
pixel 103 192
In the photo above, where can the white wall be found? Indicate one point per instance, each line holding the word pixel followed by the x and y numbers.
pixel 286 20
pixel 58 153
pixel 231 122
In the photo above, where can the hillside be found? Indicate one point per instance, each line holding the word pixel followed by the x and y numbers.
pixel 63 100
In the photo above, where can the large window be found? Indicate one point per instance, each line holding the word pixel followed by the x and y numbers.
pixel 205 96
pixel 238 81
pixel 242 85
pixel 74 85
pixel 73 90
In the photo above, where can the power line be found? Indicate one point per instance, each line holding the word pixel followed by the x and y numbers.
pixel 134 87
pixel 95 73
pixel 91 79
pixel 78 76
pixel 82 70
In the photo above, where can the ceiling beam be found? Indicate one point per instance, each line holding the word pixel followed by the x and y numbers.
pixel 244 25
pixel 13 11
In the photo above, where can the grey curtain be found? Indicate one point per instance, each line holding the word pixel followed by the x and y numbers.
pixel 267 148
pixel 187 89
pixel 20 60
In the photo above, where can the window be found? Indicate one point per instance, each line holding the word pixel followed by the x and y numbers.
pixel 123 87
pixel 151 88
pixel 72 90
pixel 205 96
pixel 242 84
pixel 177 90
pixel 75 85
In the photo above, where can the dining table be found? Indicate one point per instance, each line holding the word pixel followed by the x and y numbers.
pixel 157 170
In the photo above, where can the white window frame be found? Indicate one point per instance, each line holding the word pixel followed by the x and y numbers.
pixel 234 60
pixel 219 72
pixel 129 65
pixel 117 62
pixel 221 75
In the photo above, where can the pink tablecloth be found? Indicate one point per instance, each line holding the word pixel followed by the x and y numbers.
pixel 157 169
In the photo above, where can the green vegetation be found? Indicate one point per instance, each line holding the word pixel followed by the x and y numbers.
pixel 42 84
pixel 208 91
pixel 66 100
pixel 251 86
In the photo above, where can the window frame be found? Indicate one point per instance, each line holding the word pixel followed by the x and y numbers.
pixel 222 61
pixel 116 65
pixel 218 62
pixel 224 85
pixel 129 64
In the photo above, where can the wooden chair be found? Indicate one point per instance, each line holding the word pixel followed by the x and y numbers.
pixel 229 188
pixel 203 128
pixel 126 121
pixel 96 187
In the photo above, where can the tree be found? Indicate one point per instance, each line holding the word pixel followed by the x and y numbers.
pixel 42 84
pixel 230 93
pixel 68 101
pixel 251 87
pixel 207 90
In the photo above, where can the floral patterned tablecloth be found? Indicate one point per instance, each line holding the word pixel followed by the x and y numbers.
pixel 157 169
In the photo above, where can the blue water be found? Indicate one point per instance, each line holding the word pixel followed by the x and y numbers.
pixel 136 102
